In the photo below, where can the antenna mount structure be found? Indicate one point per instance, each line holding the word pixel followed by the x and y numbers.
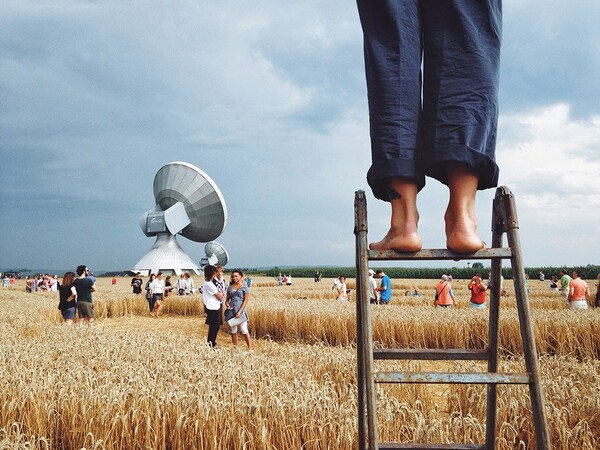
pixel 189 203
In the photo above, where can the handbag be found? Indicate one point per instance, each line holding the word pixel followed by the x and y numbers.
pixel 238 320
pixel 229 314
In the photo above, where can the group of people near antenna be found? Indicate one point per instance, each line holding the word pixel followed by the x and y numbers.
pixel 157 288
pixel 219 297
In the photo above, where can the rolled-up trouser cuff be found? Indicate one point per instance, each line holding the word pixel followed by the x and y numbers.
pixel 482 164
pixel 380 173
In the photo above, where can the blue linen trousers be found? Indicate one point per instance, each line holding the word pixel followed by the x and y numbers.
pixel 432 70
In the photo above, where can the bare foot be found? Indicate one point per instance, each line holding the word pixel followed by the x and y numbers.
pixel 403 235
pixel 461 233
pixel 403 242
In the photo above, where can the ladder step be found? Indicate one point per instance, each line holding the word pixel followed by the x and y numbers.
pixel 451 377
pixel 432 354
pixel 391 445
pixel 440 254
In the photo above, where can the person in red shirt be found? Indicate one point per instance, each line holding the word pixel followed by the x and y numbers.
pixel 578 292
pixel 477 289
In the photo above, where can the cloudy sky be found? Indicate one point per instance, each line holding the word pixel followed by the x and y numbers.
pixel 267 97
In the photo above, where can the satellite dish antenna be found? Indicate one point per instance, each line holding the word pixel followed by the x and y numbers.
pixel 215 255
pixel 188 202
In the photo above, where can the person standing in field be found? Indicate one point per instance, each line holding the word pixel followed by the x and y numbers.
pixel 288 279
pixel 148 289
pixel 212 298
pixel 373 292
pixel 83 288
pixel 219 280
pixel 28 285
pixel 136 284
pixel 181 285
pixel 341 289
pixel 221 285
pixel 597 301
pixel 66 298
pixel 45 283
pixel 168 286
pixel 157 288
pixel 189 284
pixel 236 301
pixel 432 72
pixel 564 283
pixel 554 284
pixel 444 296
pixel 53 284
pixel 578 292
pixel 477 289
pixel 385 289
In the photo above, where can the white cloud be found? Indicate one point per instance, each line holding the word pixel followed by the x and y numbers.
pixel 550 161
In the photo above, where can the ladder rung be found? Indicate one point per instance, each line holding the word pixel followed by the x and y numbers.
pixel 441 254
pixel 391 445
pixel 451 377
pixel 432 354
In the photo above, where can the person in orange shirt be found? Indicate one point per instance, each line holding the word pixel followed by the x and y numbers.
pixel 578 292
pixel 444 296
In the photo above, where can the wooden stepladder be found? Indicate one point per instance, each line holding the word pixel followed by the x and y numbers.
pixel 504 220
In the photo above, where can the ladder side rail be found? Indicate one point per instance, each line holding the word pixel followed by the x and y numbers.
pixel 525 321
pixel 364 326
pixel 498 230
pixel 360 336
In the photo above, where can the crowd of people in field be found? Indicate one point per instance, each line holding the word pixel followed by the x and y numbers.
pixel 223 301
pixel 574 290
pixel 228 300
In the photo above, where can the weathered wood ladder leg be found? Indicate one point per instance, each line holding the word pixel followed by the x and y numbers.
pixel 505 212
pixel 504 221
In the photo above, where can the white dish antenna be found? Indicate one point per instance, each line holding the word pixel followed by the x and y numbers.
pixel 215 255
pixel 188 202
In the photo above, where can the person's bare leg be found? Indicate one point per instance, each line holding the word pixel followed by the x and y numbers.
pixel 403 234
pixel 234 339
pixel 460 217
pixel 248 340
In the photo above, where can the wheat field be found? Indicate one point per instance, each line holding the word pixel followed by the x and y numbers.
pixel 132 381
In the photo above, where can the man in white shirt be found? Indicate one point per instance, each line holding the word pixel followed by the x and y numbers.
pixel 373 292
pixel 212 300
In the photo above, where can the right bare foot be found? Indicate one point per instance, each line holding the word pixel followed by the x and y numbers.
pixel 403 235
pixel 408 242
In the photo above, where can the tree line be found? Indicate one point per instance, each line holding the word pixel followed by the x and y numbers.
pixel 587 272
